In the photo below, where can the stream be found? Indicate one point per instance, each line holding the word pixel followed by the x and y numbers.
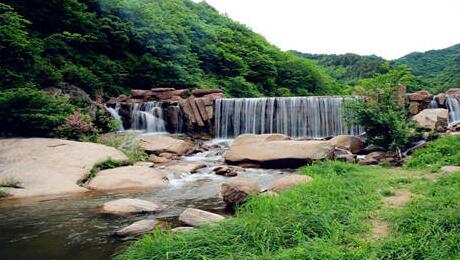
pixel 69 227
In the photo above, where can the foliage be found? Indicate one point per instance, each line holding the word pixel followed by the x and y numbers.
pixel 78 127
pixel 104 165
pixel 31 112
pixel 10 183
pixel 379 112
pixel 400 75
pixel 4 193
pixel 441 152
pixel 128 143
pixel 108 47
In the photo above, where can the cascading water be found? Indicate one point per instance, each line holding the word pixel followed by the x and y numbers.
pixel 148 117
pixel 433 103
pixel 115 113
pixel 293 116
pixel 453 105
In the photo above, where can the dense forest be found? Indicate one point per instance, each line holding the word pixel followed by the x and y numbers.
pixel 108 47
pixel 436 70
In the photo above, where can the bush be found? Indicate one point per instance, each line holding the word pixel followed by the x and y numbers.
pixel 442 152
pixel 10 183
pixel 78 127
pixel 31 112
pixel 128 143
pixel 104 165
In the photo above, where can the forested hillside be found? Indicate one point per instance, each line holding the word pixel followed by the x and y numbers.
pixel 108 47
pixel 440 69
pixel 349 68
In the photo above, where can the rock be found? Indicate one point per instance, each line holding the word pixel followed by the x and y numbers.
pixel 344 155
pixel 50 166
pixel 170 156
pixel 348 142
pixel 138 93
pixel 289 181
pixel 441 99
pixel 373 158
pixel 182 229
pixel 196 217
pixel 158 144
pixel 453 91
pixel 226 171
pixel 129 177
pixel 432 118
pixel 234 193
pixel 204 92
pixel 122 98
pixel 275 151
pixel 450 169
pixel 181 93
pixel 421 95
pixel 144 164
pixel 181 168
pixel 414 108
pixel 158 159
pixel 137 228
pixel 122 207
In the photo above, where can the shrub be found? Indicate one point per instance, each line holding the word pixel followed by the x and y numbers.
pixel 4 194
pixel 442 152
pixel 78 127
pixel 10 183
pixel 128 143
pixel 104 165
pixel 31 112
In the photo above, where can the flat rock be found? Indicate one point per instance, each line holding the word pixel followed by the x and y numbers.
pixel 450 169
pixel 432 118
pixel 137 228
pixel 276 151
pixel 128 177
pixel 46 166
pixel 124 207
pixel 158 144
pixel 235 192
pixel 290 181
pixel 197 217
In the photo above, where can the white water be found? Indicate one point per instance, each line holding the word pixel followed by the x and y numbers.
pixel 293 116
pixel 433 103
pixel 453 105
pixel 115 113
pixel 148 117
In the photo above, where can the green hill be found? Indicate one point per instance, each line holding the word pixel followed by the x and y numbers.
pixel 109 47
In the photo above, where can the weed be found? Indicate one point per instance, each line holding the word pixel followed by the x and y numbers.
pixel 128 143
pixel 11 183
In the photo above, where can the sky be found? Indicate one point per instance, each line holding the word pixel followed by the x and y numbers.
pixel 387 28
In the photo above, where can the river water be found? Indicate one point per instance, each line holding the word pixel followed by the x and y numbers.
pixel 69 227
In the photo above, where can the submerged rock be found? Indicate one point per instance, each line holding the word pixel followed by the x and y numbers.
pixel 158 144
pixel 235 192
pixel 129 177
pixel 46 166
pixel 276 151
pixel 289 182
pixel 130 206
pixel 226 171
pixel 137 228
pixel 197 217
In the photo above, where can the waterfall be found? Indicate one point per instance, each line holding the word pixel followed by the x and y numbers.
pixel 453 105
pixel 148 117
pixel 433 103
pixel 114 112
pixel 293 116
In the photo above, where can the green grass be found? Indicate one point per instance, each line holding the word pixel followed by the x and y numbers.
pixel 4 193
pixel 104 165
pixel 10 183
pixel 128 143
pixel 442 152
pixel 327 218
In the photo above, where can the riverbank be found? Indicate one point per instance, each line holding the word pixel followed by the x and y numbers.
pixel 347 211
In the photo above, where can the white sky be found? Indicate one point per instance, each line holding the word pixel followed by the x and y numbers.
pixel 387 28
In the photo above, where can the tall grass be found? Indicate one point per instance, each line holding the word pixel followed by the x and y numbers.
pixel 442 152
pixel 128 143
pixel 319 219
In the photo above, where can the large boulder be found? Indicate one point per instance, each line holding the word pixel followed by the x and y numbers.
pixel 290 181
pixel 129 177
pixel 137 228
pixel 197 217
pixel 158 144
pixel 122 207
pixel 276 151
pixel 421 95
pixel 453 91
pixel 432 119
pixel 373 158
pixel 348 142
pixel 235 192
pixel 50 166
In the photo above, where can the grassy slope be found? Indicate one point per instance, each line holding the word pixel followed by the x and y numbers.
pixel 332 217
